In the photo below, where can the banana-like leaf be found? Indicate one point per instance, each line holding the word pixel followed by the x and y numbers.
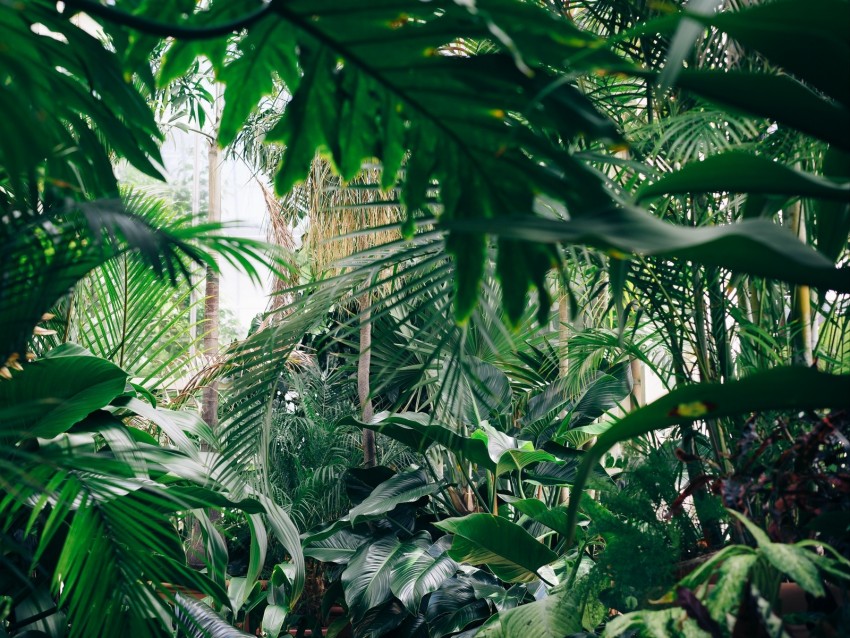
pixel 738 172
pixel 405 487
pixel 755 246
pixel 564 472
pixel 409 429
pixel 454 606
pixel 422 572
pixel 554 518
pixel 506 548
pixel 367 578
pixel 777 389
pixel 337 548
pixel 833 217
pixel 200 621
pixel 555 616
pixel 50 395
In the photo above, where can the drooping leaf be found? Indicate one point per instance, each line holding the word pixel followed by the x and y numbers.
pixel 54 393
pixel 200 621
pixel 739 172
pixel 421 572
pixel 405 487
pixel 777 389
pixel 367 578
pixel 506 548
pixel 755 246
pixel 555 616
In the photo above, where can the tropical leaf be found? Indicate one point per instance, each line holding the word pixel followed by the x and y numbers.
pixel 422 572
pixel 735 172
pixel 555 616
pixel 455 606
pixel 50 395
pixel 366 580
pixel 506 548
pixel 755 246
pixel 777 389
pixel 337 548
pixel 405 487
pixel 200 621
pixel 355 101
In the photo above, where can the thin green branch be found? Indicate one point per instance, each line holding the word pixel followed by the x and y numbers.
pixel 166 30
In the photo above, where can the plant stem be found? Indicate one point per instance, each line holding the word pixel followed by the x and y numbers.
pixel 166 30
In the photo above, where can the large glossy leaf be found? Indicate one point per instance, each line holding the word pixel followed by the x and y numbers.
pixel 778 97
pixel 555 616
pixel 405 487
pixel 200 621
pixel 554 518
pixel 777 389
pixel 738 172
pixel 756 246
pixel 417 435
pixel 420 572
pixel 806 38
pixel 564 472
pixel 833 217
pixel 337 548
pixel 54 393
pixel 454 606
pixel 792 560
pixel 506 548
pixel 366 580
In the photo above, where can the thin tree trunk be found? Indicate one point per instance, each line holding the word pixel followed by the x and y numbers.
pixel 364 363
pixel 209 402
pixel 802 306
pixel 563 361
pixel 637 397
pixel 210 327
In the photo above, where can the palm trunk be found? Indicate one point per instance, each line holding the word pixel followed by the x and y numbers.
pixel 364 363
pixel 210 345
pixel 802 304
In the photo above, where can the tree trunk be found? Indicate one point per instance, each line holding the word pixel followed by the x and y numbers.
pixel 364 362
pixel 802 304
pixel 209 402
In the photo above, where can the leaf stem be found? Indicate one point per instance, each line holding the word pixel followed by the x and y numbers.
pixel 165 30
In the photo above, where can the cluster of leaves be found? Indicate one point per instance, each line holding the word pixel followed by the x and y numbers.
pixel 88 502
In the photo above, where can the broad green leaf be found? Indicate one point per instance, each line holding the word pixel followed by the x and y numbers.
pixel 266 50
pixel 286 532
pixel 733 577
pixel 198 620
pixel 833 217
pixel 755 247
pixel 806 37
pixel 555 616
pixel 565 470
pixel 409 429
pixel 52 394
pixel 405 487
pixel 506 548
pixel 366 580
pixel 777 389
pixel 554 518
pixel 795 563
pixel 738 172
pixel 454 606
pixel 421 572
pixel 519 459
pixel 778 97
pixel 337 548
pixel 274 617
